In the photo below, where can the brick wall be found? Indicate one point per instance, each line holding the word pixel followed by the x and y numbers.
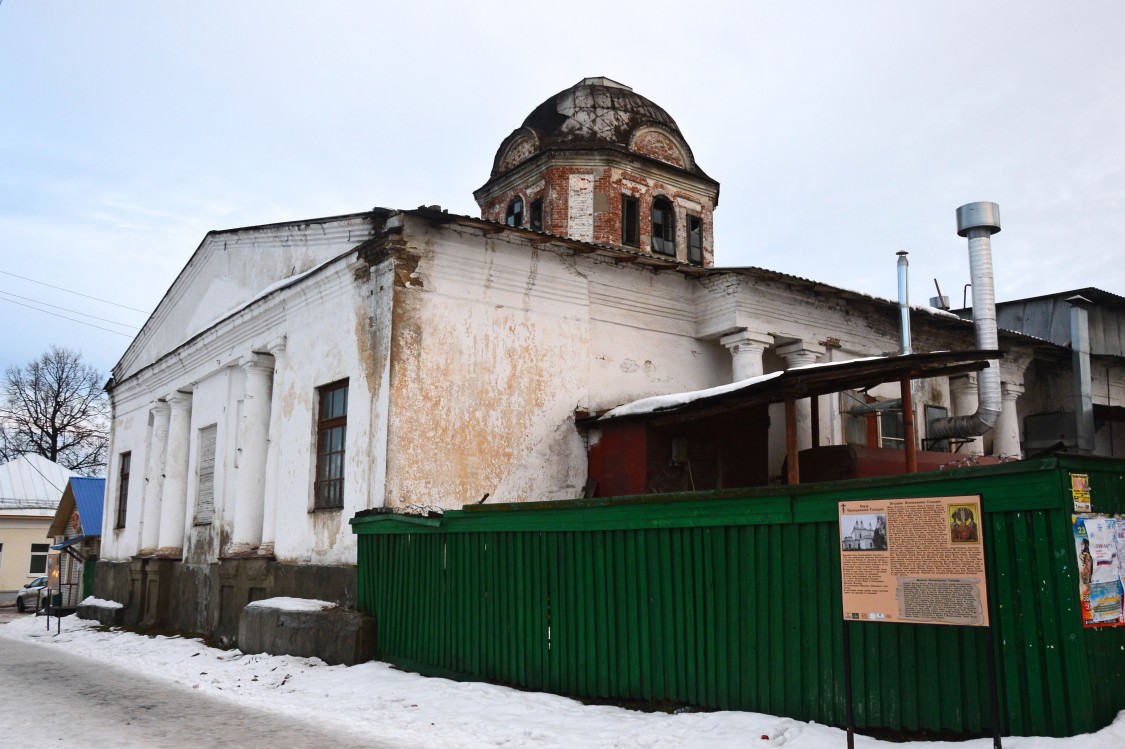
pixel 555 186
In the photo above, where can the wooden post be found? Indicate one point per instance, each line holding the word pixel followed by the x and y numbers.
pixel 908 427
pixel 794 476
pixel 814 419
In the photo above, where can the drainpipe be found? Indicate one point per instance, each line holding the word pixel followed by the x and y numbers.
pixel 1083 381
pixel 978 222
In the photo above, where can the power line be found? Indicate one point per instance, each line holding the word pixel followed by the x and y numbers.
pixel 68 291
pixel 81 322
pixel 72 311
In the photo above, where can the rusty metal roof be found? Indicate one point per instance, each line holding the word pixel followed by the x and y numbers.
pixel 819 379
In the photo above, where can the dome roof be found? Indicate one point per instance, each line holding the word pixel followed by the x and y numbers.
pixel 597 113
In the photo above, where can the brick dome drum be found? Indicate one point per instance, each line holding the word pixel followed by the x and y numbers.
pixel 598 162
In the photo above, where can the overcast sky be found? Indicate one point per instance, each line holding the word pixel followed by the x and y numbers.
pixel 840 132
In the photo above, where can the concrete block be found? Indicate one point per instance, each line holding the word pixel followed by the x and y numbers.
pixel 335 635
pixel 110 616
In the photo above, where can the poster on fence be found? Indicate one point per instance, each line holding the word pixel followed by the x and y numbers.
pixel 914 561
pixel 1099 542
pixel 1080 491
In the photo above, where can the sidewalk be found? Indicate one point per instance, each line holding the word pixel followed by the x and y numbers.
pixel 405 709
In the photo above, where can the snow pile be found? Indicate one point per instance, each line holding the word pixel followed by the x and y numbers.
pixel 282 603
pixel 386 705
pixel 101 603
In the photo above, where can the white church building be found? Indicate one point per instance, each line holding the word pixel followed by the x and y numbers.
pixel 297 374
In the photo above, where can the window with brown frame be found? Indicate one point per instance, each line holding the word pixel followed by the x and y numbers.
pixel 331 434
pixel 123 488
pixel 630 221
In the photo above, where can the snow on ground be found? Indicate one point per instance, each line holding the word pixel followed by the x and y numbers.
pixel 101 603
pixel 282 603
pixel 414 711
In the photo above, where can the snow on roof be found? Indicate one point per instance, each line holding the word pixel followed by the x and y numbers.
pixel 676 400
pixel 32 482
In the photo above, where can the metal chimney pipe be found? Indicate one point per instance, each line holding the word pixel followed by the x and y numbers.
pixel 1080 364
pixel 904 299
pixel 978 222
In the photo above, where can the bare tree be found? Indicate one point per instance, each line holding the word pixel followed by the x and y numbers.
pixel 55 407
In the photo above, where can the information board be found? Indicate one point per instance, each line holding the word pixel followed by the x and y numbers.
pixel 914 561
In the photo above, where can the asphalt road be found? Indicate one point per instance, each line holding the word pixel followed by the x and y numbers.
pixel 48 696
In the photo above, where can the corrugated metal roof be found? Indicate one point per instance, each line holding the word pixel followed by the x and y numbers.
pixel 32 482
pixel 802 382
pixel 89 496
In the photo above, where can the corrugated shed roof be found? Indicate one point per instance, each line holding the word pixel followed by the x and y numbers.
pixel 32 482
pixel 89 496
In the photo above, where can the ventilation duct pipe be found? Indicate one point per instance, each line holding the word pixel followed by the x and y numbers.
pixel 978 222
pixel 904 300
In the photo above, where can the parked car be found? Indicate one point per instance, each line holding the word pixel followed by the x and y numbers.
pixel 31 595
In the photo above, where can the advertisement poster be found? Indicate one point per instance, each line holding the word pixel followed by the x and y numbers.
pixel 914 561
pixel 1080 491
pixel 1098 540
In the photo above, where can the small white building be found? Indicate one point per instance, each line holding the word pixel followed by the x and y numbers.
pixel 30 489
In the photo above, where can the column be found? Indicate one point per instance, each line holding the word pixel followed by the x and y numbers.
pixel 269 511
pixel 1006 438
pixel 963 394
pixel 173 501
pixel 746 349
pixel 253 442
pixel 801 354
pixel 154 479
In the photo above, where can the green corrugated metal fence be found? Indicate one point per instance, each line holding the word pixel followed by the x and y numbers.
pixel 731 600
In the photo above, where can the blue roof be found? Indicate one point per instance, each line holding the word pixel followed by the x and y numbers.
pixel 72 542
pixel 89 496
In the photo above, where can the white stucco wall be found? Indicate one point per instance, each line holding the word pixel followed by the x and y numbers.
pixel 331 325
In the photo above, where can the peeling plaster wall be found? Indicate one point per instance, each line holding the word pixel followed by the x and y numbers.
pixel 487 368
pixel 495 346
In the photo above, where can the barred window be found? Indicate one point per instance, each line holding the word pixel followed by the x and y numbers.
pixel 205 486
